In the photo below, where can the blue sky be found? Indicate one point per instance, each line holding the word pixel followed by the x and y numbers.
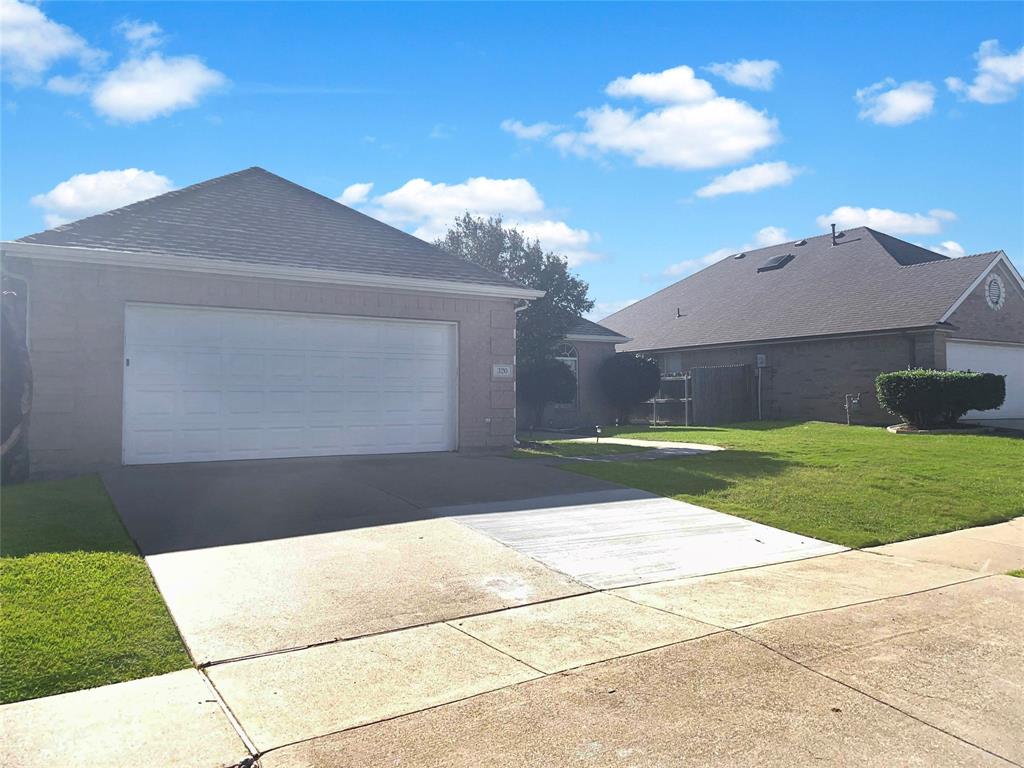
pixel 898 116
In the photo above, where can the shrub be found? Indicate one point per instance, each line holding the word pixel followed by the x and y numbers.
pixel 627 380
pixel 543 382
pixel 928 398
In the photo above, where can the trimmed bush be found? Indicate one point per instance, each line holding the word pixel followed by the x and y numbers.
pixel 627 380
pixel 543 382
pixel 926 398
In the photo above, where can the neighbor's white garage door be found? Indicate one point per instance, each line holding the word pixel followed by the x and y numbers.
pixel 984 357
pixel 215 384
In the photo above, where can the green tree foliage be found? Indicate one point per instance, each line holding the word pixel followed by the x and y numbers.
pixel 628 379
pixel 545 381
pixel 507 251
pixel 926 398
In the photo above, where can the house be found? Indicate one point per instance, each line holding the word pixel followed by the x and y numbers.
pixel 817 319
pixel 582 349
pixel 248 317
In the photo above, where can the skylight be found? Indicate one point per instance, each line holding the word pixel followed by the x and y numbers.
pixel 776 262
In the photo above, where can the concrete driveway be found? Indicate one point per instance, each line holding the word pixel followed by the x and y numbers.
pixel 262 557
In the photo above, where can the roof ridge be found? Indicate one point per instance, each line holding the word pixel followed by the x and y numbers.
pixel 950 259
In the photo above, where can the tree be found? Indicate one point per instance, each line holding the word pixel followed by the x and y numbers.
pixel 507 251
pixel 628 379
pixel 545 381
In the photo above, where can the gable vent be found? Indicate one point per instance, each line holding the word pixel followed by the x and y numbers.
pixel 776 262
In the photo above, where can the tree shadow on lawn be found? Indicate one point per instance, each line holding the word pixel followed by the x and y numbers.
pixel 73 515
pixel 690 475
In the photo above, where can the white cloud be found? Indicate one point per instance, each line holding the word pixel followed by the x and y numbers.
pixel 31 43
pixel 87 193
pixel 750 179
pixel 354 194
pixel 998 78
pixel 950 248
pixel 141 35
pixel 691 128
pixel 678 85
pixel 142 89
pixel 73 85
pixel 758 74
pixel 887 220
pixel 530 132
pixel 763 238
pixel 604 308
pixel 428 209
pixel 768 236
pixel 886 103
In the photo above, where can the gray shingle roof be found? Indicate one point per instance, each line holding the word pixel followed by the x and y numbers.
pixel 584 327
pixel 256 217
pixel 869 281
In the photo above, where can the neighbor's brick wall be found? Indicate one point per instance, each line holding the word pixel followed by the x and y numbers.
pixel 76 341
pixel 809 379
pixel 975 319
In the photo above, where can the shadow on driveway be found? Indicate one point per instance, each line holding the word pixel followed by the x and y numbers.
pixel 175 507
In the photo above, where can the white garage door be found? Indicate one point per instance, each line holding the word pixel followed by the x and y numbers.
pixel 1007 359
pixel 215 384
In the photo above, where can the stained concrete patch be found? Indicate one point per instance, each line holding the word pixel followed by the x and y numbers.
pixel 745 597
pixel 716 701
pixel 245 599
pixel 170 719
pixel 951 657
pixel 989 549
pixel 618 543
pixel 580 630
pixel 286 697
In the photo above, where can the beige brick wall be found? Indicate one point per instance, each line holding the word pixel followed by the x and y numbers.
pixel 76 341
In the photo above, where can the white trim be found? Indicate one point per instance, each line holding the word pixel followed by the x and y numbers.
pixel 586 337
pixel 990 342
pixel 240 269
pixel 1000 259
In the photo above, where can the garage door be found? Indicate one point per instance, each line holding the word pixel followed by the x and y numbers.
pixel 1007 359
pixel 213 384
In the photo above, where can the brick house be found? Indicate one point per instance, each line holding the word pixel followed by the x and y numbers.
pixel 819 318
pixel 247 317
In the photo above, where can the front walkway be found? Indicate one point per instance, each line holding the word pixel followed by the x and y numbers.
pixel 870 658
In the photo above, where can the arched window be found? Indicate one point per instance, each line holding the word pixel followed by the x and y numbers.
pixel 566 353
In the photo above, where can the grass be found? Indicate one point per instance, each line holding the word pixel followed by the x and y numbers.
pixel 569 449
pixel 79 606
pixel 855 486
pixel 1019 574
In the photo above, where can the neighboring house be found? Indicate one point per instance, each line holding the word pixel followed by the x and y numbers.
pixel 248 317
pixel 825 315
pixel 583 349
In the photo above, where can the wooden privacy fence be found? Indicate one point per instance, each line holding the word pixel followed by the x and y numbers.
pixel 706 396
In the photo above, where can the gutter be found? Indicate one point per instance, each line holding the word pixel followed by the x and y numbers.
pixel 143 260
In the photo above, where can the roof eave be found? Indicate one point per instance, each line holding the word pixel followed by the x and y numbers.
pixel 616 339
pixel 146 260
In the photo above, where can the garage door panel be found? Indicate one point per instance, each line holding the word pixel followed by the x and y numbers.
pixel 207 384
pixel 1006 359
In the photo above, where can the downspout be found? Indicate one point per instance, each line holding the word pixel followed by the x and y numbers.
pixel 522 304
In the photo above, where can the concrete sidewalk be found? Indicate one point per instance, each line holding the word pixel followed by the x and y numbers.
pixel 864 658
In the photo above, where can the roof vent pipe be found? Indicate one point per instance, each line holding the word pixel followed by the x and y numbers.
pixel 833 235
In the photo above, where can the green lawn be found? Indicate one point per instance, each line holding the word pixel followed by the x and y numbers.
pixel 856 486
pixel 568 449
pixel 78 606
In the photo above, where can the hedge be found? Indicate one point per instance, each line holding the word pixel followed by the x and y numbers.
pixel 926 398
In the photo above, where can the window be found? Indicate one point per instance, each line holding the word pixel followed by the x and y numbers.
pixel 566 353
